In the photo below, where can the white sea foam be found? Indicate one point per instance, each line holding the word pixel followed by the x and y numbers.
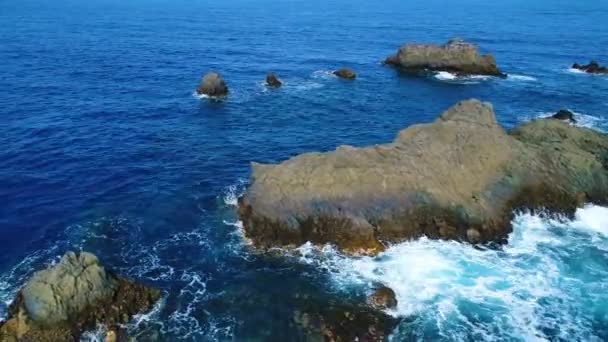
pixel 324 74
pixel 445 76
pixel 522 78
pixel 205 96
pixel 592 218
pixel 582 119
pixel 233 192
pixel 460 292
pixel 454 78
pixel 576 71
pixel 97 335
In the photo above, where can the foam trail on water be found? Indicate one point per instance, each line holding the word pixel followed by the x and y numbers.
pixel 449 77
pixel 528 290
pixel 522 78
pixel 576 71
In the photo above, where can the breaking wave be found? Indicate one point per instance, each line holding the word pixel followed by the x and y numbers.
pixel 449 77
pixel 582 120
pixel 522 78
pixel 547 283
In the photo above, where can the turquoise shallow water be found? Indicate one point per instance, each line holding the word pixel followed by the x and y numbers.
pixel 105 148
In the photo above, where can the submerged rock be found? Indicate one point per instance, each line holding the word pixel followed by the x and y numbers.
pixel 213 85
pixel 592 68
pixel 64 300
pixel 456 56
pixel 341 322
pixel 345 73
pixel 564 114
pixel 459 177
pixel 273 81
pixel 382 298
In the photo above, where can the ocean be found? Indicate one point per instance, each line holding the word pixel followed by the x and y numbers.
pixel 106 148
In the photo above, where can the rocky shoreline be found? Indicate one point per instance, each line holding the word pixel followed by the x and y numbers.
pixel 459 178
pixel 71 297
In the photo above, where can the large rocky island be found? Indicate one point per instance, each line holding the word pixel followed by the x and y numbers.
pixel 71 297
pixel 459 177
pixel 456 56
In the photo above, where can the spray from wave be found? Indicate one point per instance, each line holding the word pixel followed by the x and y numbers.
pixel 582 119
pixel 547 283
pixel 449 77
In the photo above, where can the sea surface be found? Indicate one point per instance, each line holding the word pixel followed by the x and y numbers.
pixel 105 148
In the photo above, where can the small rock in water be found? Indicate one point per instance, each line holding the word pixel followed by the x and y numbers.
pixel 382 298
pixel 111 336
pixel 272 81
pixel 565 115
pixel 456 56
pixel 213 85
pixel 345 73
pixel 62 301
pixel 592 68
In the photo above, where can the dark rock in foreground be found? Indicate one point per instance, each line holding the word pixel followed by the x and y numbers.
pixel 341 322
pixel 459 177
pixel 272 81
pixel 212 85
pixel 565 115
pixel 456 56
pixel 382 298
pixel 345 73
pixel 592 68
pixel 71 297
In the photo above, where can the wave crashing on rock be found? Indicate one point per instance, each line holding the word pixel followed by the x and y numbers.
pixel 456 56
pixel 458 178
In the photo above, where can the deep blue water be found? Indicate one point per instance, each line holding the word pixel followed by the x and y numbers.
pixel 105 148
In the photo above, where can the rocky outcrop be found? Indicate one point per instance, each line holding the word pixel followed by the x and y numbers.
pixel 592 68
pixel 459 177
pixel 382 298
pixel 456 56
pixel 212 85
pixel 341 322
pixel 272 81
pixel 76 294
pixel 345 73
pixel 564 114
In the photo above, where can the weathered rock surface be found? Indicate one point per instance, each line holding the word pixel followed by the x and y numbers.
pixel 63 301
pixel 456 56
pixel 459 177
pixel 592 68
pixel 382 298
pixel 213 85
pixel 272 81
pixel 345 73
pixel 342 322
pixel 564 114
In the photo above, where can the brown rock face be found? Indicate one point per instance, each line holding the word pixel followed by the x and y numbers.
pixel 455 56
pixel 272 81
pixel 213 85
pixel 459 177
pixel 341 323
pixel 592 68
pixel 65 300
pixel 382 298
pixel 345 73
